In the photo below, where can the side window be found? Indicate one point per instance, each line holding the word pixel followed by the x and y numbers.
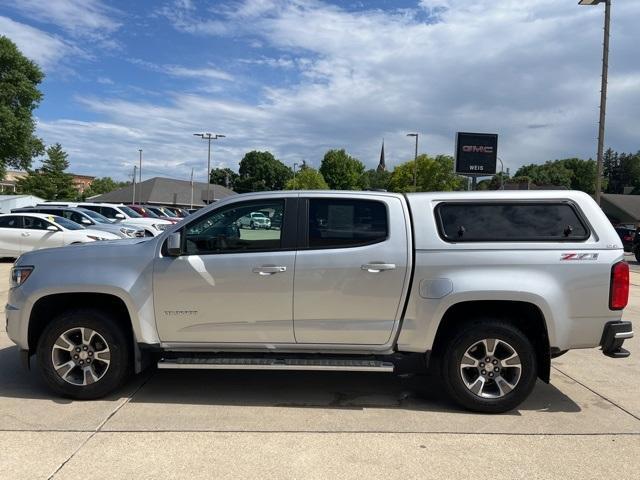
pixel 510 222
pixel 73 216
pixel 10 222
pixel 107 212
pixel 234 229
pixel 35 223
pixel 338 223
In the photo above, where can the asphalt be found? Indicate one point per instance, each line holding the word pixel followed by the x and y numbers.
pixel 219 425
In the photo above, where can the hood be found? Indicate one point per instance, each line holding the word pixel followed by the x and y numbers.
pixel 144 221
pixel 98 233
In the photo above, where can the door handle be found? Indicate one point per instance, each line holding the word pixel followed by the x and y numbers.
pixel 269 269
pixel 25 234
pixel 378 267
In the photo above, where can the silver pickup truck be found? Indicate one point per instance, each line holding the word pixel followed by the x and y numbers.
pixel 483 289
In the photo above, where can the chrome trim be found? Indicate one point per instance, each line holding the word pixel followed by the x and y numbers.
pixel 164 365
pixel 277 347
pixel 624 334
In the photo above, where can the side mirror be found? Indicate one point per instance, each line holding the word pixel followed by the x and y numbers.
pixel 53 228
pixel 174 244
pixel 120 216
pixel 86 221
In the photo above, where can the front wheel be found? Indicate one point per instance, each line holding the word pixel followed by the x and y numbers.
pixel 489 367
pixel 84 354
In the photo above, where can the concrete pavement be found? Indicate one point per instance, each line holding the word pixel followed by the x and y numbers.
pixel 227 424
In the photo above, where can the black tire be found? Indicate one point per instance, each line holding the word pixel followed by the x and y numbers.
pixel 636 253
pixel 252 226
pixel 464 339
pixel 105 325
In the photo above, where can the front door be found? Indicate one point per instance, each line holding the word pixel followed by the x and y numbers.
pixel 231 284
pixel 351 272
pixel 35 234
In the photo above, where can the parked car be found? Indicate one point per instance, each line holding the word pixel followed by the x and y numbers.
pixel 23 232
pixel 88 219
pixel 119 213
pixel 180 212
pixel 161 212
pixel 254 220
pixel 627 236
pixel 481 288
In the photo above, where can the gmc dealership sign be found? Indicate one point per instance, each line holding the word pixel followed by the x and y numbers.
pixel 476 153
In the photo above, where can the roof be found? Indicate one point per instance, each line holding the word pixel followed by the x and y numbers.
pixel 166 191
pixel 621 206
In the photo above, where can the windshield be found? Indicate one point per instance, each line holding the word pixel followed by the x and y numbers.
pixel 258 214
pixel 95 216
pixel 151 213
pixel 167 212
pixel 63 222
pixel 130 212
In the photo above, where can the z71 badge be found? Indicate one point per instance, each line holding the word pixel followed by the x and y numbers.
pixel 578 256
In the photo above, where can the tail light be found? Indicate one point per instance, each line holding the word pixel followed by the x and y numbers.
pixel 627 238
pixel 619 289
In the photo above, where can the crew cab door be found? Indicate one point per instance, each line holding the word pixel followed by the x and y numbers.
pixel 351 270
pixel 230 284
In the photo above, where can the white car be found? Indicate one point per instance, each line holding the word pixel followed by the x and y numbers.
pixel 254 220
pixel 23 232
pixel 118 213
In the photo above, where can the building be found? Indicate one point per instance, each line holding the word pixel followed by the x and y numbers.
pixel 167 191
pixel 621 209
pixel 9 202
pixel 11 177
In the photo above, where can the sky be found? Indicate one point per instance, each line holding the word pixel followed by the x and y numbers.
pixel 300 77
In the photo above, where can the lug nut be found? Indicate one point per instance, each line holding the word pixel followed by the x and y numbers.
pixel 88 360
pixel 81 362
pixel 491 374
pixel 75 356
pixel 495 362
pixel 483 372
pixel 90 353
pixel 482 364
pixel 77 349
pixel 487 360
pixel 496 369
pixel 85 348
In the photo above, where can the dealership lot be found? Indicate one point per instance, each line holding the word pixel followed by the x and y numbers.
pixel 225 424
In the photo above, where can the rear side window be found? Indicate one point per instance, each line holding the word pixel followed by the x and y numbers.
pixel 9 222
pixel 510 222
pixel 337 223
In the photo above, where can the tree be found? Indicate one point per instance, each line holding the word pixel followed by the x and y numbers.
pixel 19 96
pixel 307 179
pixel 494 183
pixel 102 185
pixel 376 179
pixel 583 173
pixel 573 173
pixel 50 181
pixel 262 171
pixel 224 176
pixel 342 171
pixel 434 175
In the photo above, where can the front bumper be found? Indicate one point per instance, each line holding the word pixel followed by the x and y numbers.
pixel 613 336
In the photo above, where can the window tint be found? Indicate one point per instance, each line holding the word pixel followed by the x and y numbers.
pixel 231 229
pixel 335 223
pixel 106 211
pixel 9 222
pixel 35 223
pixel 504 222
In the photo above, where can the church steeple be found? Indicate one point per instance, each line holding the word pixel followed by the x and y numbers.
pixel 382 166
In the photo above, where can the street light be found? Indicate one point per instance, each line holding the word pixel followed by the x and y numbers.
pixel 415 163
pixel 295 164
pixel 603 89
pixel 140 172
pixel 209 137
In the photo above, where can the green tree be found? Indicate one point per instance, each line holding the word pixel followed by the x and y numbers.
pixel 494 183
pixel 262 171
pixel 307 179
pixel 50 181
pixel 224 176
pixel 102 185
pixel 342 171
pixel 549 173
pixel 375 179
pixel 583 173
pixel 19 96
pixel 434 175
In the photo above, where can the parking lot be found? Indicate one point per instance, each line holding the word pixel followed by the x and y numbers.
pixel 226 424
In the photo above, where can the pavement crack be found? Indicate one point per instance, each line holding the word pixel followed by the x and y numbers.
pixel 99 428
pixel 597 393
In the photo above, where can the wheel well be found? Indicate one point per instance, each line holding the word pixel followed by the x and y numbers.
pixel 50 306
pixel 523 315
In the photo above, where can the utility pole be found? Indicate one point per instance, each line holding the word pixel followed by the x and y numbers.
pixel 209 137
pixel 294 174
pixel 192 188
pixel 133 199
pixel 140 173
pixel 415 163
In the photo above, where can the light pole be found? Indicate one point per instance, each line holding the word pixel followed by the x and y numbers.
pixel 140 176
pixel 209 137
pixel 415 163
pixel 295 164
pixel 603 88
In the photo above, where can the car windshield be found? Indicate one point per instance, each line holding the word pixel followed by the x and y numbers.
pixel 167 212
pixel 258 214
pixel 130 212
pixel 65 223
pixel 151 213
pixel 95 216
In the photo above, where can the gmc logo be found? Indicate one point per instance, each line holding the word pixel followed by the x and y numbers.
pixel 477 149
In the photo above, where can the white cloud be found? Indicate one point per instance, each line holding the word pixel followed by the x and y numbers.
pixel 76 17
pixel 45 49
pixel 200 73
pixel 528 70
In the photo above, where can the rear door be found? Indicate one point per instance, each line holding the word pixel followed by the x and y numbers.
pixel 351 269
pixel 10 238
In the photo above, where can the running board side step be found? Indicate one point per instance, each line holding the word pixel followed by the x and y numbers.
pixel 350 365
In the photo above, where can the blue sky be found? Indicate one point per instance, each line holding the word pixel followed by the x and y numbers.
pixel 299 77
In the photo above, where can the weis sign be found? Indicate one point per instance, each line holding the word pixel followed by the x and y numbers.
pixel 476 153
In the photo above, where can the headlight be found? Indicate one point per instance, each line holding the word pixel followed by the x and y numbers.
pixel 159 226
pixel 129 232
pixel 19 275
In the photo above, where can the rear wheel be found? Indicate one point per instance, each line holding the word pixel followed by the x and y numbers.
pixel 84 354
pixel 252 226
pixel 489 366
